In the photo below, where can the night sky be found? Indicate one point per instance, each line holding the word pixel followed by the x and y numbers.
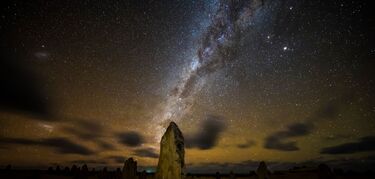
pixel 96 82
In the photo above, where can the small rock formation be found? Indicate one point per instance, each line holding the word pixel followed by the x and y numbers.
pixel 104 173
pixel 171 160
pixel 262 171
pixel 8 167
pixel 217 176
pixel 129 171
pixel 232 175
pixel 325 172
pixel 143 175
pixel 84 172
pixel 58 170
pixel 119 174
pixel 50 170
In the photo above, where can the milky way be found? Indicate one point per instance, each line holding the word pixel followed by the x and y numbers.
pixel 217 47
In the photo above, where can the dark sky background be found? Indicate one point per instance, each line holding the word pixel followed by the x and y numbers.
pixel 97 82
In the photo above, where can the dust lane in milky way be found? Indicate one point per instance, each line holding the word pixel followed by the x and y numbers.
pixel 217 47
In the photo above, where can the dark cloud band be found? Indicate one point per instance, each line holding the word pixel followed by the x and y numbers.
pixel 61 145
pixel 208 136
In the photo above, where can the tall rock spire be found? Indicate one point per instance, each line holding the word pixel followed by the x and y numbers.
pixel 172 153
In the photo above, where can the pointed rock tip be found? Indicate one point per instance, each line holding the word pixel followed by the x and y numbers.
pixel 175 129
pixel 173 124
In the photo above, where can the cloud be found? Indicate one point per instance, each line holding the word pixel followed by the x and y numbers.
pixel 65 146
pixel 105 145
pixel 89 125
pixel 330 110
pixel 146 152
pixel 354 164
pixel 88 130
pixel 81 134
pixel 247 144
pixel 360 164
pixel 337 137
pixel 4 140
pixel 238 167
pixel 132 138
pixel 277 141
pixel 117 159
pixel 60 145
pixel 208 136
pixel 84 129
pixel 365 144
pixel 20 90
pixel 80 162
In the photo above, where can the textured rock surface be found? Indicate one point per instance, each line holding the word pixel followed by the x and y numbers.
pixel 171 160
pixel 262 171
pixel 129 171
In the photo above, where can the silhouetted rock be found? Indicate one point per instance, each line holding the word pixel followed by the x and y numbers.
pixel 143 175
pixel 351 173
pixel 338 171
pixel 172 153
pixel 8 167
pixel 231 175
pixel 369 173
pixel 252 173
pixel 74 170
pixel 58 170
pixel 84 172
pixel 217 175
pixel 66 171
pixel 325 172
pixel 130 169
pixel 262 171
pixel 85 168
pixel 50 170
pixel 104 173
pixel 118 174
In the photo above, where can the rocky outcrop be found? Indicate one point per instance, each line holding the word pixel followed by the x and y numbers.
pixel 143 175
pixel 232 175
pixel 84 172
pixel 129 171
pixel 262 171
pixel 171 160
pixel 324 172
